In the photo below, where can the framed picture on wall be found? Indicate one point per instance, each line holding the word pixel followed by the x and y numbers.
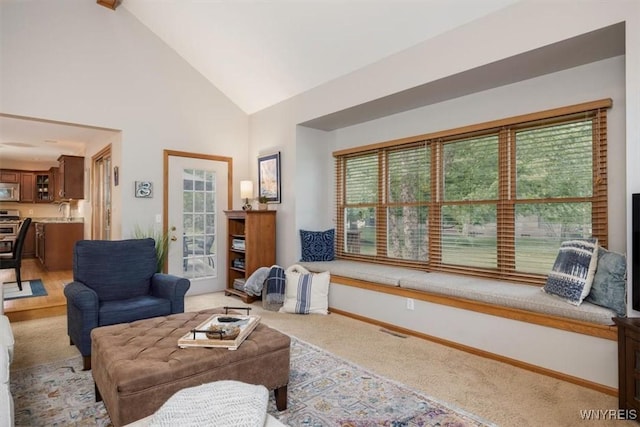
pixel 269 177
pixel 144 189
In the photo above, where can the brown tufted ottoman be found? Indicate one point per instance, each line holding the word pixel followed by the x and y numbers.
pixel 137 366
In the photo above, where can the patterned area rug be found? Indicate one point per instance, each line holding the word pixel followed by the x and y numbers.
pixel 30 288
pixel 324 390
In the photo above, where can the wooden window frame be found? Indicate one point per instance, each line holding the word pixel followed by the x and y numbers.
pixel 505 130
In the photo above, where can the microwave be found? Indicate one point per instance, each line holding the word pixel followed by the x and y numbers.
pixel 9 192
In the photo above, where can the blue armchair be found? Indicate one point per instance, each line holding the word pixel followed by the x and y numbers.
pixel 115 281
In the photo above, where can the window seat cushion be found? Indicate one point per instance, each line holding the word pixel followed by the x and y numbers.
pixel 376 273
pixel 514 295
pixel 496 292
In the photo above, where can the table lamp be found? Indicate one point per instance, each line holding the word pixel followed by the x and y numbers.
pixel 246 192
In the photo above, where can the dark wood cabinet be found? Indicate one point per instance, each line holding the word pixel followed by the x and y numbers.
pixel 64 182
pixel 628 362
pixel 29 248
pixel 39 238
pixel 69 178
pixel 10 176
pixel 55 242
pixel 251 244
pixel 27 187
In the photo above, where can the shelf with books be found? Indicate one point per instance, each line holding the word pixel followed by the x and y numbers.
pixel 251 244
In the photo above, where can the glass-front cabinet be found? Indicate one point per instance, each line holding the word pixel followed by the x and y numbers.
pixel 44 187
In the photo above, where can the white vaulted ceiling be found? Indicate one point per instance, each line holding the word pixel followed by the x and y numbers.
pixel 262 52
pixel 259 53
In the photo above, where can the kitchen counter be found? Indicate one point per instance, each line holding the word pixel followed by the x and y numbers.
pixel 55 239
pixel 58 220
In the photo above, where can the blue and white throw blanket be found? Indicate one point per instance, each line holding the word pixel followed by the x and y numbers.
pixel 275 283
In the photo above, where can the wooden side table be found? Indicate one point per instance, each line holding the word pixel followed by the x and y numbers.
pixel 628 362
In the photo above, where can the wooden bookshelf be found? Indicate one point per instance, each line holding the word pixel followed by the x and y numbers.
pixel 251 244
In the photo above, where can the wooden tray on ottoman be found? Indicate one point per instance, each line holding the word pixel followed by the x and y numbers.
pixel 197 337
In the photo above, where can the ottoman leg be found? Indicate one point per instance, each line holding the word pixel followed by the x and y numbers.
pixel 281 397
pixel 98 395
pixel 86 363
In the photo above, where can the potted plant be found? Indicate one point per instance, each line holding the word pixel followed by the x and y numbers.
pixel 262 203
pixel 161 239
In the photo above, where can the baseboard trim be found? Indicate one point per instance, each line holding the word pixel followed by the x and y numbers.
pixel 482 353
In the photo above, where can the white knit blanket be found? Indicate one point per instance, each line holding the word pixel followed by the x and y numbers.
pixel 220 404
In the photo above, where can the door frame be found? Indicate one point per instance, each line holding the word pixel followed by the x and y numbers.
pixel 96 219
pixel 165 183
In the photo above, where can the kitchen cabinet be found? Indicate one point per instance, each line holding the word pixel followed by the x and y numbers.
pixel 9 176
pixel 27 187
pixel 29 248
pixel 55 242
pixel 69 179
pixel 251 244
pixel 44 187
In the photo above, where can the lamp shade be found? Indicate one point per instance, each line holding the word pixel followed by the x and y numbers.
pixel 246 189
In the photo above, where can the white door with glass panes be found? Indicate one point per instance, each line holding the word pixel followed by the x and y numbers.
pixel 197 198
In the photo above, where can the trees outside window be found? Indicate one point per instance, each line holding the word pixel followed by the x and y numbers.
pixel 487 200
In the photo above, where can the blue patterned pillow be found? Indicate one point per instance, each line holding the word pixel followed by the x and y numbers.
pixel 573 271
pixel 317 245
pixel 609 288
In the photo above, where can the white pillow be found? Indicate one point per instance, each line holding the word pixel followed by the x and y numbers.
pixel 225 403
pixel 306 292
pixel 573 270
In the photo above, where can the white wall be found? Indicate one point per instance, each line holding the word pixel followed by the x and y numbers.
pixel 514 30
pixel 72 61
pixel 275 133
pixel 480 43
pixel 315 207
pixel 560 89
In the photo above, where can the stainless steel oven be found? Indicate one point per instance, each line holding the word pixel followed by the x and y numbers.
pixel 9 227
pixel 6 244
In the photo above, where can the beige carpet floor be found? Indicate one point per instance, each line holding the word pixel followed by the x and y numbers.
pixel 500 393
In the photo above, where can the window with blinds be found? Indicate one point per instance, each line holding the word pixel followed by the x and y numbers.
pixel 495 199
pixel 407 202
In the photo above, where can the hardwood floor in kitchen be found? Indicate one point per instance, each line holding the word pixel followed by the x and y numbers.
pixel 53 304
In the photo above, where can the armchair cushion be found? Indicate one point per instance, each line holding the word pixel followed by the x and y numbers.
pixel 109 268
pixel 132 309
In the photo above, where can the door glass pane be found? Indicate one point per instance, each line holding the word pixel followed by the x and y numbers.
pixel 199 258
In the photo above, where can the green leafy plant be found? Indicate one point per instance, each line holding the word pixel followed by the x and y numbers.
pixel 161 239
pixel 262 199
